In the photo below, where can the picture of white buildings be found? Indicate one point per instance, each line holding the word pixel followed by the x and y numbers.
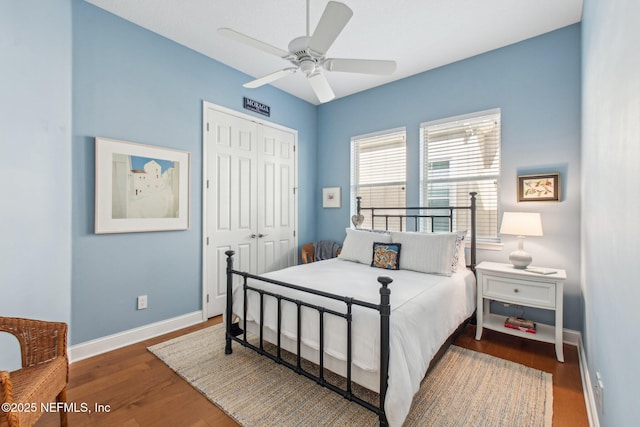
pixel 144 187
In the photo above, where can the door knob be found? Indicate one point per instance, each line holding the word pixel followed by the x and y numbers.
pixel 262 235
pixel 253 236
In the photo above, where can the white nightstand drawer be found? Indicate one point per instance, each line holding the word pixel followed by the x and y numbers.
pixel 519 291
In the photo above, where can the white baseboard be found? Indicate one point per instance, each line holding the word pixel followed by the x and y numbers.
pixel 111 342
pixel 571 337
pixel 574 338
pixel 589 395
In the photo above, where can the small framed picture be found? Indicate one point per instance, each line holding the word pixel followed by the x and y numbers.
pixel 539 188
pixel 331 197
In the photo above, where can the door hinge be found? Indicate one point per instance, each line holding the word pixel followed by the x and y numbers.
pixel 294 233
pixel 207 298
pixel 207 183
pixel 207 241
pixel 207 126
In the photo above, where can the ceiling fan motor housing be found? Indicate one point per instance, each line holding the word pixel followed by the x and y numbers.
pixel 304 58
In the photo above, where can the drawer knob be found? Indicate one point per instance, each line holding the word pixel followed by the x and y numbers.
pixel 516 290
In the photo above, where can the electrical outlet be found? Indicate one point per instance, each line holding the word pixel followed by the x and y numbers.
pixel 142 302
pixel 599 392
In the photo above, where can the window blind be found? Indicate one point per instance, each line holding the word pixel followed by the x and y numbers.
pixel 378 173
pixel 461 155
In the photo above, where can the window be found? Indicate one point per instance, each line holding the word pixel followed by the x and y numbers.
pixel 378 173
pixel 460 155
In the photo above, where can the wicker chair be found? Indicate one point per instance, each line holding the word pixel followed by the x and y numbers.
pixel 45 370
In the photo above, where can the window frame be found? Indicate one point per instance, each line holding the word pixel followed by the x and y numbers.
pixel 355 188
pixel 424 180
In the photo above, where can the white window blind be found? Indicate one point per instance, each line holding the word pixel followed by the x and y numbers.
pixel 461 155
pixel 378 173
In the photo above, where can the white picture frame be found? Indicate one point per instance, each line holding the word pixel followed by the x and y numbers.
pixel 331 197
pixel 140 188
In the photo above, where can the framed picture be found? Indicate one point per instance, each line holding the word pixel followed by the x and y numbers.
pixel 331 197
pixel 539 188
pixel 140 187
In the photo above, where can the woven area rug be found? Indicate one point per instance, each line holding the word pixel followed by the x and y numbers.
pixel 466 388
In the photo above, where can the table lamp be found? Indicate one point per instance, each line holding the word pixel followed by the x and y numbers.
pixel 521 224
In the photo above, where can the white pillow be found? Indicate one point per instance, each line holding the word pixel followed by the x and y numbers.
pixel 358 245
pixel 433 253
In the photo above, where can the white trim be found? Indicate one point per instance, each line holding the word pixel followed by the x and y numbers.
pixel 461 117
pixel 589 395
pixel 111 342
pixel 571 337
pixel 574 338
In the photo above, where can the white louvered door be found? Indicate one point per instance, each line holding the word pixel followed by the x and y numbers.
pixel 249 200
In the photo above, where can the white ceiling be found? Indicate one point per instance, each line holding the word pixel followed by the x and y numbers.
pixel 418 34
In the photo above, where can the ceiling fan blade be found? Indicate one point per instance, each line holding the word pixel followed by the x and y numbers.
pixel 333 20
pixel 269 78
pixel 250 41
pixel 365 66
pixel 321 87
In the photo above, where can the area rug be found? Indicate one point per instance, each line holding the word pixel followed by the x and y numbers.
pixel 465 388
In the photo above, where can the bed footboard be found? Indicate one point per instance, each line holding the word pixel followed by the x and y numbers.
pixel 384 308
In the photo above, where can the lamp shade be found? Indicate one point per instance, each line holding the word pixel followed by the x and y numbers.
pixel 521 224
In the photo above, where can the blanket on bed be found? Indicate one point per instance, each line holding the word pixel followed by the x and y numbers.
pixel 425 310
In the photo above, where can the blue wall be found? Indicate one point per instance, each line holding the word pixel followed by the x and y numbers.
pixel 536 84
pixel 133 85
pixel 35 159
pixel 611 231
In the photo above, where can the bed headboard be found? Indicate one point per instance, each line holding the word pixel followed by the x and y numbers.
pixel 418 213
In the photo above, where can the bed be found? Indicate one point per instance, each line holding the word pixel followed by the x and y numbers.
pixel 378 327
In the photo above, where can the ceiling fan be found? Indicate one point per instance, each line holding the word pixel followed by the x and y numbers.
pixel 307 53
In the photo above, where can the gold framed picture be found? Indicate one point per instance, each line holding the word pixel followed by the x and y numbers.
pixel 539 188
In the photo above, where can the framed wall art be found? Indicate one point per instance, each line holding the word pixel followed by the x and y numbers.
pixel 331 197
pixel 140 187
pixel 539 188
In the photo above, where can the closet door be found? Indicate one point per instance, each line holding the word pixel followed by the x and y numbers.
pixel 276 199
pixel 249 200
pixel 231 207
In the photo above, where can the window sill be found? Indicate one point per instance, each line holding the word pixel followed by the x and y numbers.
pixel 489 246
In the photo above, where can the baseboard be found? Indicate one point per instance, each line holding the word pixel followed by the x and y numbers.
pixel 111 342
pixel 571 337
pixel 574 338
pixel 589 395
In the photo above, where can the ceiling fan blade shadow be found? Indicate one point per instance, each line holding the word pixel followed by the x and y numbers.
pixel 332 22
pixel 250 41
pixel 364 66
pixel 321 87
pixel 269 78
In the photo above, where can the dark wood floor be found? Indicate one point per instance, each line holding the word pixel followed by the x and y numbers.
pixel 140 390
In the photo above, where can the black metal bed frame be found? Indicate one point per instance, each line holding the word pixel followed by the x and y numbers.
pixel 233 331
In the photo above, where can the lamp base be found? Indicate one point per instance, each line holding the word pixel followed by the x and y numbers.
pixel 520 259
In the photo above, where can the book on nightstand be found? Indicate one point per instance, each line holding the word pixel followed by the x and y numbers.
pixel 520 324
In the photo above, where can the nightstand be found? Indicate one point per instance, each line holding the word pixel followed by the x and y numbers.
pixel 503 282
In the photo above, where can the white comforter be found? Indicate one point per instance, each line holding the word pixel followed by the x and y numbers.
pixel 425 310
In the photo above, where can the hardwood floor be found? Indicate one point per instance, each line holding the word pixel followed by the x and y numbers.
pixel 138 389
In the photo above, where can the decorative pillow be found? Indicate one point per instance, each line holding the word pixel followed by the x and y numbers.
pixel 433 253
pixel 358 243
pixel 460 261
pixel 386 255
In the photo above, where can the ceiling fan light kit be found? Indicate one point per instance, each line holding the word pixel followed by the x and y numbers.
pixel 307 53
